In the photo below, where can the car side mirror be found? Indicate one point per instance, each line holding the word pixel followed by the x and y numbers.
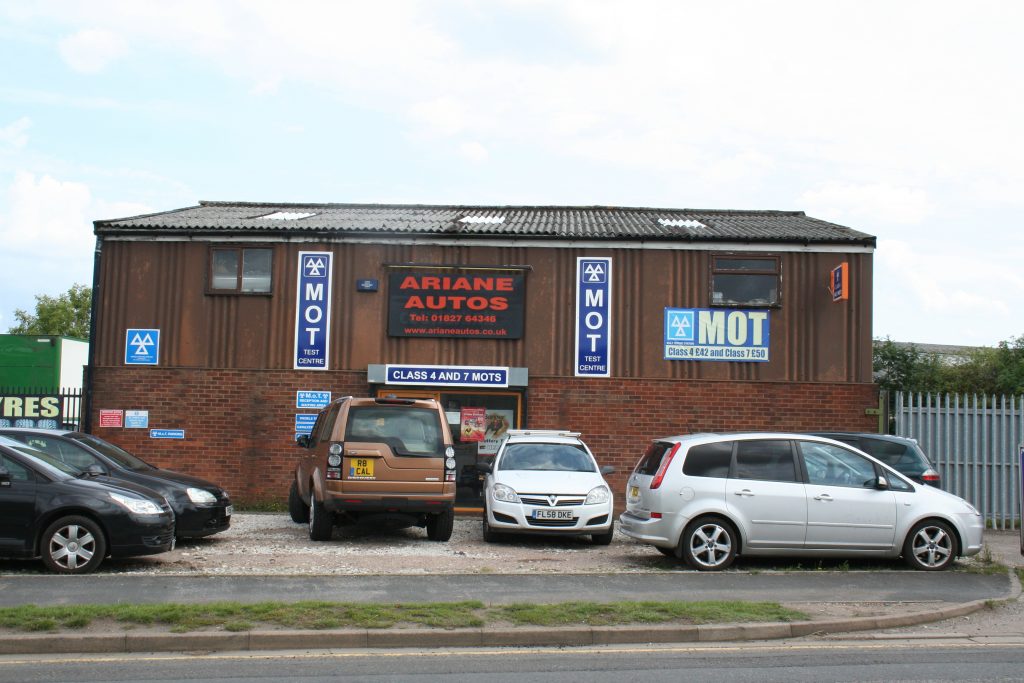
pixel 882 484
pixel 95 470
pixel 5 476
pixel 486 467
pixel 302 441
pixel 608 469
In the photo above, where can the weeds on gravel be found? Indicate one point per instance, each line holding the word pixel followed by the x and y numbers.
pixel 233 616
pixel 983 563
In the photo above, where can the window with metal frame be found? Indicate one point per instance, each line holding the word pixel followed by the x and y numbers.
pixel 240 270
pixel 745 280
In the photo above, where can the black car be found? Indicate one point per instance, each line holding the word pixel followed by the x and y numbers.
pixel 71 519
pixel 900 453
pixel 201 507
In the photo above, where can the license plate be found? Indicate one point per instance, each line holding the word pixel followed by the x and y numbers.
pixel 634 491
pixel 552 514
pixel 360 468
pixel 229 510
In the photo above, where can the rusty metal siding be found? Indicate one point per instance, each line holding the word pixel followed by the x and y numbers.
pixel 162 284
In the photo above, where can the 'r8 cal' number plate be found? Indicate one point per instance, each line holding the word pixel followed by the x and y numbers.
pixel 360 468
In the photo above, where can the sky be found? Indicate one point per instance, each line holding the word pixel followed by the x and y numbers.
pixel 899 119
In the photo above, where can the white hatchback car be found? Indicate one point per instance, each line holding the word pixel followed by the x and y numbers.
pixel 547 482
pixel 707 498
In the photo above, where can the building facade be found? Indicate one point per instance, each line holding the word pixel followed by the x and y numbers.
pixel 218 329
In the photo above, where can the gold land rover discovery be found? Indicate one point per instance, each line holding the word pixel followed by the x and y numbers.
pixel 383 461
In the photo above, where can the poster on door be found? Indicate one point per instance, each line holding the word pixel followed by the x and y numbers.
pixel 472 424
pixel 498 422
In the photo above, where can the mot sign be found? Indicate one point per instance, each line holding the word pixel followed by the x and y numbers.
pixel 593 316
pixel 716 335
pixel 313 310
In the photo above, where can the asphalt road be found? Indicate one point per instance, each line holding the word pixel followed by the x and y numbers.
pixel 890 586
pixel 755 662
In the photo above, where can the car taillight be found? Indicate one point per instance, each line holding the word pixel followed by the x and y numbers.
pixel 931 477
pixel 666 460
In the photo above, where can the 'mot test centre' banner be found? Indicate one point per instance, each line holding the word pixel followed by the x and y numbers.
pixel 313 310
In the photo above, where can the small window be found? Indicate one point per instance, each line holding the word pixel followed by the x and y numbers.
pixel 765 461
pixel 744 280
pixel 240 271
pixel 708 460
pixel 16 470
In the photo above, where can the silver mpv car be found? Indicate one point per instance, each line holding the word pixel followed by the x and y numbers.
pixel 707 498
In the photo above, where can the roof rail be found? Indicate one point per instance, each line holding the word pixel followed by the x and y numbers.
pixel 542 432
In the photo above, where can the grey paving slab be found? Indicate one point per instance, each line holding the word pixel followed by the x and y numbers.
pixel 944 587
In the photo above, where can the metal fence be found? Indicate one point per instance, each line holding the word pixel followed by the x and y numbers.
pixel 973 441
pixel 21 414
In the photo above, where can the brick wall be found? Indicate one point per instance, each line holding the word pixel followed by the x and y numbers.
pixel 239 424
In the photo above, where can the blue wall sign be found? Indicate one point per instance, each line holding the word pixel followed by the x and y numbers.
pixel 446 376
pixel 593 316
pixel 304 422
pixel 167 433
pixel 141 346
pixel 314 400
pixel 716 334
pixel 313 310
pixel 136 419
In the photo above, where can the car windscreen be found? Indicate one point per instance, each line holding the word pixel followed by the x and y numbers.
pixel 44 461
pixel 407 431
pixel 546 457
pixel 650 461
pixel 901 457
pixel 118 455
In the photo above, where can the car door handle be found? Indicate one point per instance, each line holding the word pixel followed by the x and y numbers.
pixel 744 492
pixel 824 497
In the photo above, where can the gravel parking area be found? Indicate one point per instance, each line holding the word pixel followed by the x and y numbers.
pixel 273 544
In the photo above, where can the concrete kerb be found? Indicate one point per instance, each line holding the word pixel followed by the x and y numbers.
pixel 474 637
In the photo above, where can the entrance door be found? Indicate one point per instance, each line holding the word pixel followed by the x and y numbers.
pixel 503 410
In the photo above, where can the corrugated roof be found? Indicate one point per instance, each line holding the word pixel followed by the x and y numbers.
pixel 554 222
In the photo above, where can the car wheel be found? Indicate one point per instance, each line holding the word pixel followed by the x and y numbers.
pixel 73 545
pixel 930 546
pixel 321 520
pixel 709 544
pixel 605 538
pixel 439 526
pixel 488 533
pixel 298 510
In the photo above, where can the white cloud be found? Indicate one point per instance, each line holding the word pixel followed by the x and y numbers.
pixel 48 213
pixel 16 134
pixel 474 152
pixel 872 204
pixel 90 51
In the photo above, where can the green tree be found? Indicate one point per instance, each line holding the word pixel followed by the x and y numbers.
pixel 65 315
pixel 985 371
pixel 905 368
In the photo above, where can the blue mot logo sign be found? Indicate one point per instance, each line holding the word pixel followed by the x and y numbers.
pixel 313 310
pixel 593 317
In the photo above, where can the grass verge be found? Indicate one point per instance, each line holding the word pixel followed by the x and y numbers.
pixel 234 616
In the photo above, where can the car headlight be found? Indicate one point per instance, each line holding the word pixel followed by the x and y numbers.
pixel 505 494
pixel 600 494
pixel 139 506
pixel 200 496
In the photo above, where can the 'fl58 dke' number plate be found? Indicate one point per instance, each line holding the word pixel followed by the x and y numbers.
pixel 552 514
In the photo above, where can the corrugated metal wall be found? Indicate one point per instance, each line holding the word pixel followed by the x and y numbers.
pixel 973 443
pixel 162 284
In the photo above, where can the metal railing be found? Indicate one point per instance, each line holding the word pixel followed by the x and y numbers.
pixel 973 442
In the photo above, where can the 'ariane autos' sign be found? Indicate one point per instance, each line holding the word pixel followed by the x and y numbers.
pixel 716 334
pixel 455 305
pixel 313 311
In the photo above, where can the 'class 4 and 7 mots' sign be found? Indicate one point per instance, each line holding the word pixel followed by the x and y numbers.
pixel 717 335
